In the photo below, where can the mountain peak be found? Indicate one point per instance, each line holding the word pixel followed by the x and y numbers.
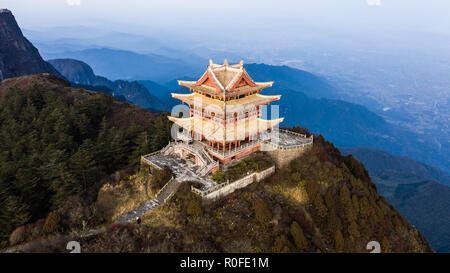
pixel 17 55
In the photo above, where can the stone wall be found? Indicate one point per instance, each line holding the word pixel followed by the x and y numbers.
pixel 227 188
pixel 283 157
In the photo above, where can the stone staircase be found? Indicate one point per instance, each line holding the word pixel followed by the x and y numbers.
pixel 169 189
pixel 164 194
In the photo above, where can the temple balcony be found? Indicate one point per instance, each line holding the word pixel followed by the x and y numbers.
pixel 230 152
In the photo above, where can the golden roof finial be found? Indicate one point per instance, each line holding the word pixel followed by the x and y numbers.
pixel 225 62
pixel 210 62
pixel 241 62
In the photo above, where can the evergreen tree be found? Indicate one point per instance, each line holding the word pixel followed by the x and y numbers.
pixel 339 241
pixel 298 236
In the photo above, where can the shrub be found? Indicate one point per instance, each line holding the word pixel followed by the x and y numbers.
pixel 52 222
pixel 317 240
pixel 17 236
pixel 219 176
pixel 281 245
pixel 159 179
pixel 263 214
pixel 312 188
pixel 194 208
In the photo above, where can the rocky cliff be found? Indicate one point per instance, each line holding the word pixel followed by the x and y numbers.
pixel 17 55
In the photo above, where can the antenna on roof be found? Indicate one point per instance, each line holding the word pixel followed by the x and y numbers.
pixel 225 62
pixel 210 62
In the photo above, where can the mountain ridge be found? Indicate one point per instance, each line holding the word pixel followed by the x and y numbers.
pixel 80 72
pixel 17 55
pixel 322 202
pixel 420 192
pixel 127 65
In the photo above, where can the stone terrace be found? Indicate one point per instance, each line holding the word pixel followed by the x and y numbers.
pixel 287 139
pixel 184 170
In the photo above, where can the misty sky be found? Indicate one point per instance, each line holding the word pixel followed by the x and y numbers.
pixel 430 16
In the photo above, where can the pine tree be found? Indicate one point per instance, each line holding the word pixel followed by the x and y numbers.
pixel 319 207
pixel 281 245
pixel 347 205
pixel 299 237
pixel 355 203
pixel 13 213
pixel 385 245
pixel 339 241
pixel 353 230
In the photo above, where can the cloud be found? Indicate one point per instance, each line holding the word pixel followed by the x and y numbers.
pixel 73 2
pixel 373 2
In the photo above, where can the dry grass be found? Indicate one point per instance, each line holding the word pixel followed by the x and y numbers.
pixel 160 216
pixel 116 199
pixel 294 193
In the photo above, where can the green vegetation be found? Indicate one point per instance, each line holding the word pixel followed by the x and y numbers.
pixel 194 208
pixel 342 213
pixel 158 179
pixel 263 214
pixel 298 236
pixel 85 170
pixel 59 142
pixel 52 222
pixel 255 163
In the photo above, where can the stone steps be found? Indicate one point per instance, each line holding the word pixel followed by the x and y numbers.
pixel 168 191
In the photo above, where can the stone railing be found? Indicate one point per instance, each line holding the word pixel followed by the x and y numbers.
pixel 229 187
pixel 292 147
pixel 309 141
pixel 148 162
pixel 164 189
pixel 210 190
pixel 292 133
pixel 208 162
pixel 232 151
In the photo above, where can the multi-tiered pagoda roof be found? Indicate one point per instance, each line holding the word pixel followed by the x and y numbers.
pixel 226 111
pixel 225 81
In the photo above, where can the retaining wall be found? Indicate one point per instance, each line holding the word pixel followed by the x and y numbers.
pixel 224 189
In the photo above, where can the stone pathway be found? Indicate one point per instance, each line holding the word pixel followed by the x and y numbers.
pixel 138 212
pixel 163 195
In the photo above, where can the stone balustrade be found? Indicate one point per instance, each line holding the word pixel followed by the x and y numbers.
pixel 228 187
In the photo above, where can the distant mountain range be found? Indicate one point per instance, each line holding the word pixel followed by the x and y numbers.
pixel 378 162
pixel 289 78
pixel 120 64
pixel 17 55
pixel 345 124
pixel 83 75
pixel 303 103
pixel 420 192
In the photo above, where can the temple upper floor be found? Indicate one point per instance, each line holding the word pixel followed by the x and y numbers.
pixel 225 81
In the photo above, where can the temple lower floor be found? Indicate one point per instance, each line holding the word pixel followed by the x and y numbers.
pixel 232 150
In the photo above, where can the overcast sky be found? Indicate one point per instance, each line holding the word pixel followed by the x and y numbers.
pixel 382 15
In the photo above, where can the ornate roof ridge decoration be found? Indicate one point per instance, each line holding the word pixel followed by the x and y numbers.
pixel 225 80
